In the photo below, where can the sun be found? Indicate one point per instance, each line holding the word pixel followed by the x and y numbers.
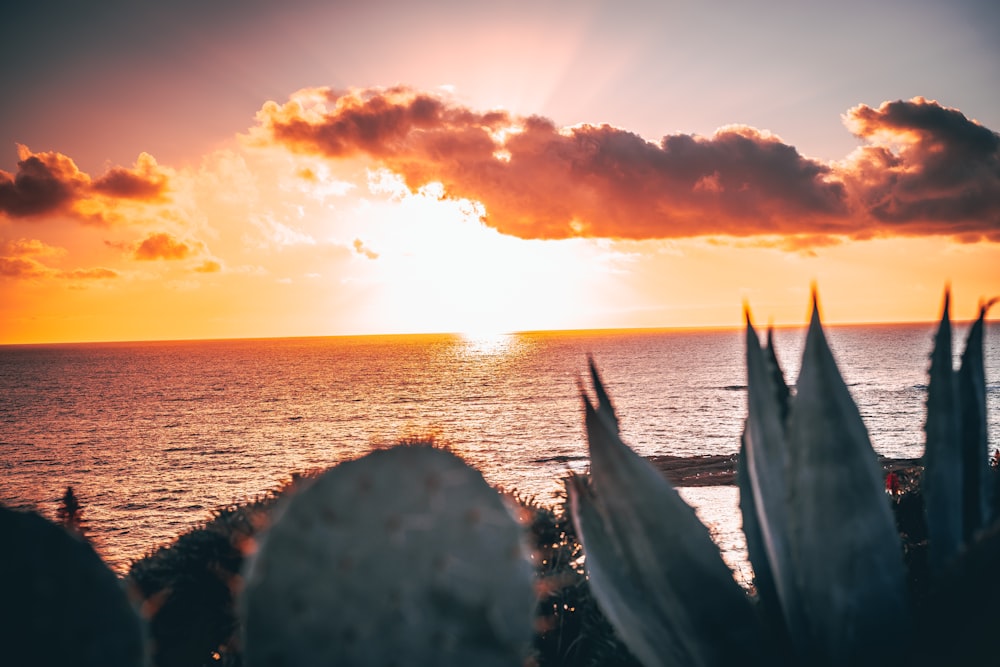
pixel 440 269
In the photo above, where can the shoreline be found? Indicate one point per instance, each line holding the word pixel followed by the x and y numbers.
pixel 720 469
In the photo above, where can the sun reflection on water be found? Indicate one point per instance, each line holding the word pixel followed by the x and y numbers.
pixel 153 436
pixel 488 344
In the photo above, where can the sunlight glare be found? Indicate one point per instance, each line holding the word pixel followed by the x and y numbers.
pixel 440 269
pixel 485 343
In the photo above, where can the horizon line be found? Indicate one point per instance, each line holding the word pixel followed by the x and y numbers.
pixel 477 335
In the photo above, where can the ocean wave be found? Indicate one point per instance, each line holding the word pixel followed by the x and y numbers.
pixel 185 399
pixel 131 507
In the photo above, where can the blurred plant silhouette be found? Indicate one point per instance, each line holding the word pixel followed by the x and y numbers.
pixel 832 585
pixel 61 605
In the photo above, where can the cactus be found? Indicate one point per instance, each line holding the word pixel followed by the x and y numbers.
pixel 61 605
pixel 404 556
pixel 820 532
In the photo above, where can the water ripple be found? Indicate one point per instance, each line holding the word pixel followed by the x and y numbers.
pixel 152 436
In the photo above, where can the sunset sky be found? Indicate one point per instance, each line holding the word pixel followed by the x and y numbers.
pixel 241 168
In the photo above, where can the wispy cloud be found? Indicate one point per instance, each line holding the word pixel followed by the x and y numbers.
pixel 22 259
pixel 209 266
pixel 362 249
pixel 96 273
pixel 926 170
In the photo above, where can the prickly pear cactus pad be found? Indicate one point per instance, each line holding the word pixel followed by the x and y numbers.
pixel 59 602
pixel 403 557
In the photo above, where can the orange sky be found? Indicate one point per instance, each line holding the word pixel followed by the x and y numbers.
pixel 411 207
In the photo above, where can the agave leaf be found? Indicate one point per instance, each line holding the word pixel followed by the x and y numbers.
pixel 766 453
pixel 682 584
pixel 604 406
pixel 643 630
pixel 783 393
pixel 847 552
pixel 977 482
pixel 770 603
pixel 942 481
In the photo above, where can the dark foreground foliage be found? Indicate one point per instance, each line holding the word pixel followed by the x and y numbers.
pixel 958 612
pixel 189 590
pixel 59 603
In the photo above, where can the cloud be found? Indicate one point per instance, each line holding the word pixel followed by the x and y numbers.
pixel 927 170
pixel 161 245
pixel 20 260
pixel 361 249
pixel 45 182
pixel 97 273
pixel 804 244
pixel 51 183
pixel 22 267
pixel 276 234
pixel 146 181
pixel 208 266
pixel 165 246
pixel 30 247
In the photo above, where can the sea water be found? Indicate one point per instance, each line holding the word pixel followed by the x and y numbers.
pixel 153 436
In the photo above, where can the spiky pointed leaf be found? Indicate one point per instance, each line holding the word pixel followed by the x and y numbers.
pixel 847 551
pixel 942 480
pixel 977 486
pixel 679 582
pixel 783 393
pixel 756 548
pixel 604 406
pixel 644 633
pixel 767 457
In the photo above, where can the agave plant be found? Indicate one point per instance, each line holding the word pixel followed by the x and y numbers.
pixel 828 561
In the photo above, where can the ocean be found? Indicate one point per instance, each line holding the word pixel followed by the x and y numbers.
pixel 153 436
